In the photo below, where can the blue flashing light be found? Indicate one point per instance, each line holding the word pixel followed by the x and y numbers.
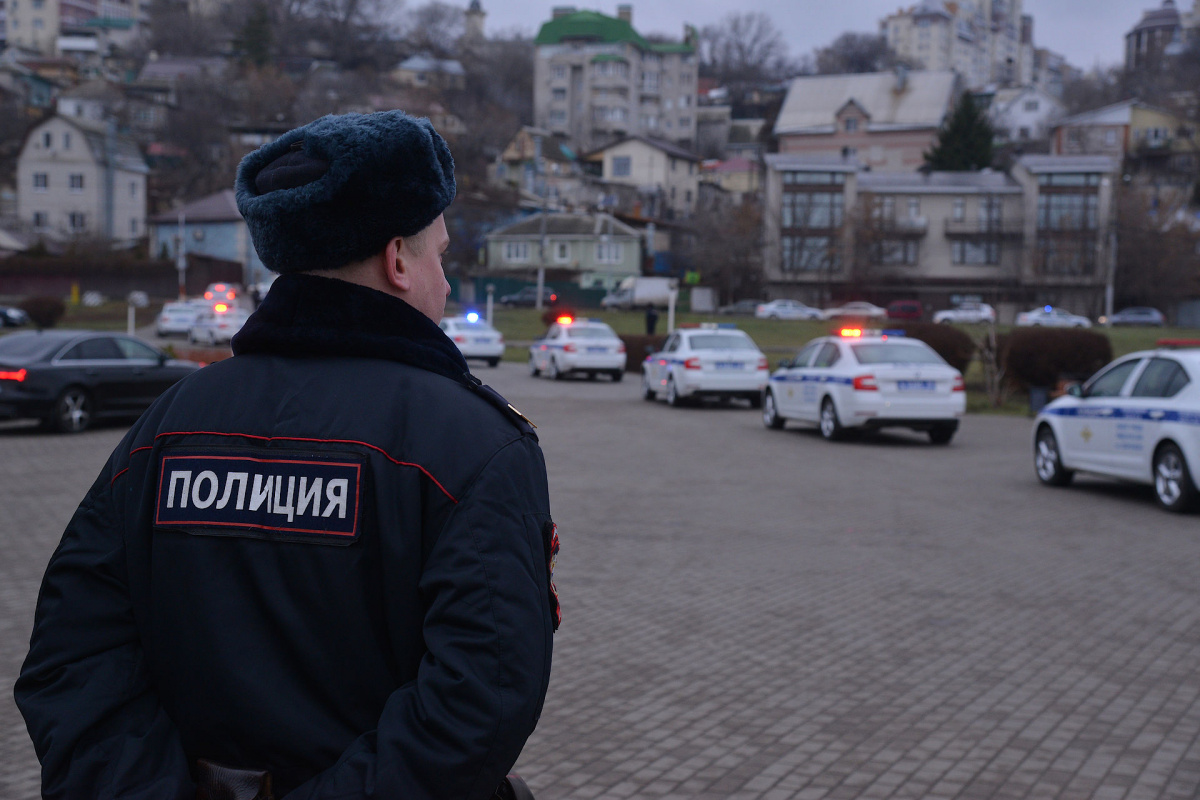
pixel 897 332
pixel 473 316
pixel 1048 309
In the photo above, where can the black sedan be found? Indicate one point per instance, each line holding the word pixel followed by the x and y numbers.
pixel 68 379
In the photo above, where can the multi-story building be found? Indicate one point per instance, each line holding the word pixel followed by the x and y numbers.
pixel 77 178
pixel 593 251
pixel 1160 32
pixel 597 80
pixel 982 40
pixel 884 120
pixel 834 231
pixel 1051 72
pixel 38 24
pixel 665 177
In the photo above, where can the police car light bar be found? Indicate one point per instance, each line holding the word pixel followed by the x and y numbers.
pixel 473 316
pixel 857 333
pixel 565 320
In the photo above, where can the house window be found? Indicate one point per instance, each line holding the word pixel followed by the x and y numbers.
pixel 978 253
pixel 558 72
pixel 894 252
pixel 133 227
pixel 558 94
pixel 41 181
pixel 687 196
pixel 67 140
pixel 609 252
pixel 47 139
pixel 808 254
pixel 76 183
pixel 40 219
pixel 515 252
pixel 819 210
pixel 851 124
pixel 1031 105
pixel 621 166
pixel 914 208
pixel 1023 133
pixel 1110 138
pixel 562 252
pixel 960 209
pixel 133 188
pixel 38 24
pixel 673 164
pixel 685 122
pixel 77 221
pixel 558 116
pixel 1067 212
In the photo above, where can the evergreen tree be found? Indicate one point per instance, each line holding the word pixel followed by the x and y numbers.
pixel 255 39
pixel 965 141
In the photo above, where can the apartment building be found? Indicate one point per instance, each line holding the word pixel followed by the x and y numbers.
pixel 884 120
pixel 1040 234
pixel 1163 31
pixel 984 41
pixel 39 24
pixel 597 80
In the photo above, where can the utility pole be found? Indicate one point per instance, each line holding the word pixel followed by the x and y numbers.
pixel 110 156
pixel 541 183
pixel 181 258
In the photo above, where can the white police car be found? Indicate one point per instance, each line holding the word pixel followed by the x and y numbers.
pixel 474 337
pixel 706 361
pixel 866 380
pixel 1138 419
pixel 583 346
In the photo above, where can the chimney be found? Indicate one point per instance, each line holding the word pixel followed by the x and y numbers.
pixel 625 13
pixel 561 11
pixel 901 78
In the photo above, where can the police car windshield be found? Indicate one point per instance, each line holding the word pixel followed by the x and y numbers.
pixel 897 353
pixel 590 332
pixel 722 341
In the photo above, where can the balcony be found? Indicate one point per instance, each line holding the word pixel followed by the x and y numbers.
pixel 906 227
pixel 985 229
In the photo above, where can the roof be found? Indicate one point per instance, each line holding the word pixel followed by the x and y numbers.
pixel 126 153
pixel 1038 164
pixel 219 207
pixel 982 182
pixel 669 148
pixel 1115 114
pixel 566 225
pixel 812 102
pixel 425 63
pixel 1165 17
pixel 592 26
pixel 806 163
pixel 732 165
pixel 172 69
pixel 98 89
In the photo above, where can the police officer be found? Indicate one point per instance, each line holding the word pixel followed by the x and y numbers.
pixel 327 558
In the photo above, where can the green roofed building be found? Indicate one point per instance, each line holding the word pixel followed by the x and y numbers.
pixel 597 80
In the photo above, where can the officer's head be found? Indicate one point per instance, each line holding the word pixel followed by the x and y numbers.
pixel 358 197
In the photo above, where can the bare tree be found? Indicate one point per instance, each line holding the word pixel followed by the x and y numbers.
pixel 744 47
pixel 436 28
pixel 1157 260
pixel 857 52
pixel 728 248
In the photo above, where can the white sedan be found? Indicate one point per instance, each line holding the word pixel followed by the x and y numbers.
pixel 787 309
pixel 867 382
pixel 179 317
pixel 707 361
pixel 474 337
pixel 578 346
pixel 1138 419
pixel 1052 317
pixel 969 313
pixel 856 310
pixel 218 325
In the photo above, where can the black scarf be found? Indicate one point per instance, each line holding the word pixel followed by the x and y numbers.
pixel 307 315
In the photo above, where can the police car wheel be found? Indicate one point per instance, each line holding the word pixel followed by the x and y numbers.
pixel 533 367
pixel 770 414
pixel 830 426
pixel 72 410
pixel 617 375
pixel 1047 461
pixel 493 362
pixel 942 433
pixel 673 398
pixel 648 392
pixel 552 370
pixel 591 376
pixel 1173 486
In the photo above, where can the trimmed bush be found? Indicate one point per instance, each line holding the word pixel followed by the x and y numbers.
pixel 950 343
pixel 44 312
pixel 1043 356
pixel 635 349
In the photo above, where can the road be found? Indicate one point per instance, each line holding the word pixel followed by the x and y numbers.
pixel 762 614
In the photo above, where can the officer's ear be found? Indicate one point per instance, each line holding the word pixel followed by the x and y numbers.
pixel 395 271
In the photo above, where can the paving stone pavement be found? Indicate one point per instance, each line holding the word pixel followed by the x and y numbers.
pixel 761 614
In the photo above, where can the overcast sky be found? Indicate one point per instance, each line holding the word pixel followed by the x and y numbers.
pixel 1087 32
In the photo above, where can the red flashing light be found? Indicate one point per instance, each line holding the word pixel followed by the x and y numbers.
pixel 220 308
pixel 17 376
pixel 230 295
pixel 692 363
pixel 865 383
pixel 850 333
pixel 220 287
pixel 208 295
pixel 564 319
pixel 959 384
pixel 553 298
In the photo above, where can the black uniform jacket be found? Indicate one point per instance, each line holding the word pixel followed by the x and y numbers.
pixel 326 557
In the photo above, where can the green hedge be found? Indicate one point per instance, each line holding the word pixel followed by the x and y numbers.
pixel 1044 356
pixel 950 343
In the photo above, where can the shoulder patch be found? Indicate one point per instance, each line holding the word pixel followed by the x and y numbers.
pixel 294 496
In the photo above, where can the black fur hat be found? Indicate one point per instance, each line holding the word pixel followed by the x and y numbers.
pixel 336 190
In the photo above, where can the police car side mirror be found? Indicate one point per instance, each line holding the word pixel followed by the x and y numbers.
pixel 649 349
pixel 1075 390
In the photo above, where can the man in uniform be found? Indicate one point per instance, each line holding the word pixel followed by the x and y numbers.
pixel 327 558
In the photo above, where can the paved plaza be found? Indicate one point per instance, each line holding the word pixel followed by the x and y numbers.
pixel 762 614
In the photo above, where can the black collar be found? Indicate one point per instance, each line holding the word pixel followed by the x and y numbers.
pixel 307 315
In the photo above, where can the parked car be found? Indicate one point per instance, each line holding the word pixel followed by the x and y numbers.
pixel 905 309
pixel 11 317
pixel 1052 317
pixel 1138 315
pixel 218 325
pixel 1134 420
pixel 858 310
pixel 527 297
pixel 970 313
pixel 178 318
pixel 739 307
pixel 580 347
pixel 787 309
pixel 217 292
pixel 639 291
pixel 68 379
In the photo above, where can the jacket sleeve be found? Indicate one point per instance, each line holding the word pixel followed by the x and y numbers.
pixel 84 690
pixel 458 728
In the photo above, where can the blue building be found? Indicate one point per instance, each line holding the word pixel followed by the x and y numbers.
pixel 211 226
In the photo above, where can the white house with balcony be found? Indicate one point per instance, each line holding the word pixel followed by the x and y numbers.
pixel 595 251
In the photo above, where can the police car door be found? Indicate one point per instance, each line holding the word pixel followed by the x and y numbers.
pixel 545 347
pixel 1143 415
pixel 791 383
pixel 817 378
pixel 1091 431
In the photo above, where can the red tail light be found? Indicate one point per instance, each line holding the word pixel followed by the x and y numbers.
pixel 959 385
pixel 621 347
pixel 763 363
pixel 692 363
pixel 208 295
pixel 17 376
pixel 865 383
pixel 460 339
pixel 569 347
pixel 500 340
